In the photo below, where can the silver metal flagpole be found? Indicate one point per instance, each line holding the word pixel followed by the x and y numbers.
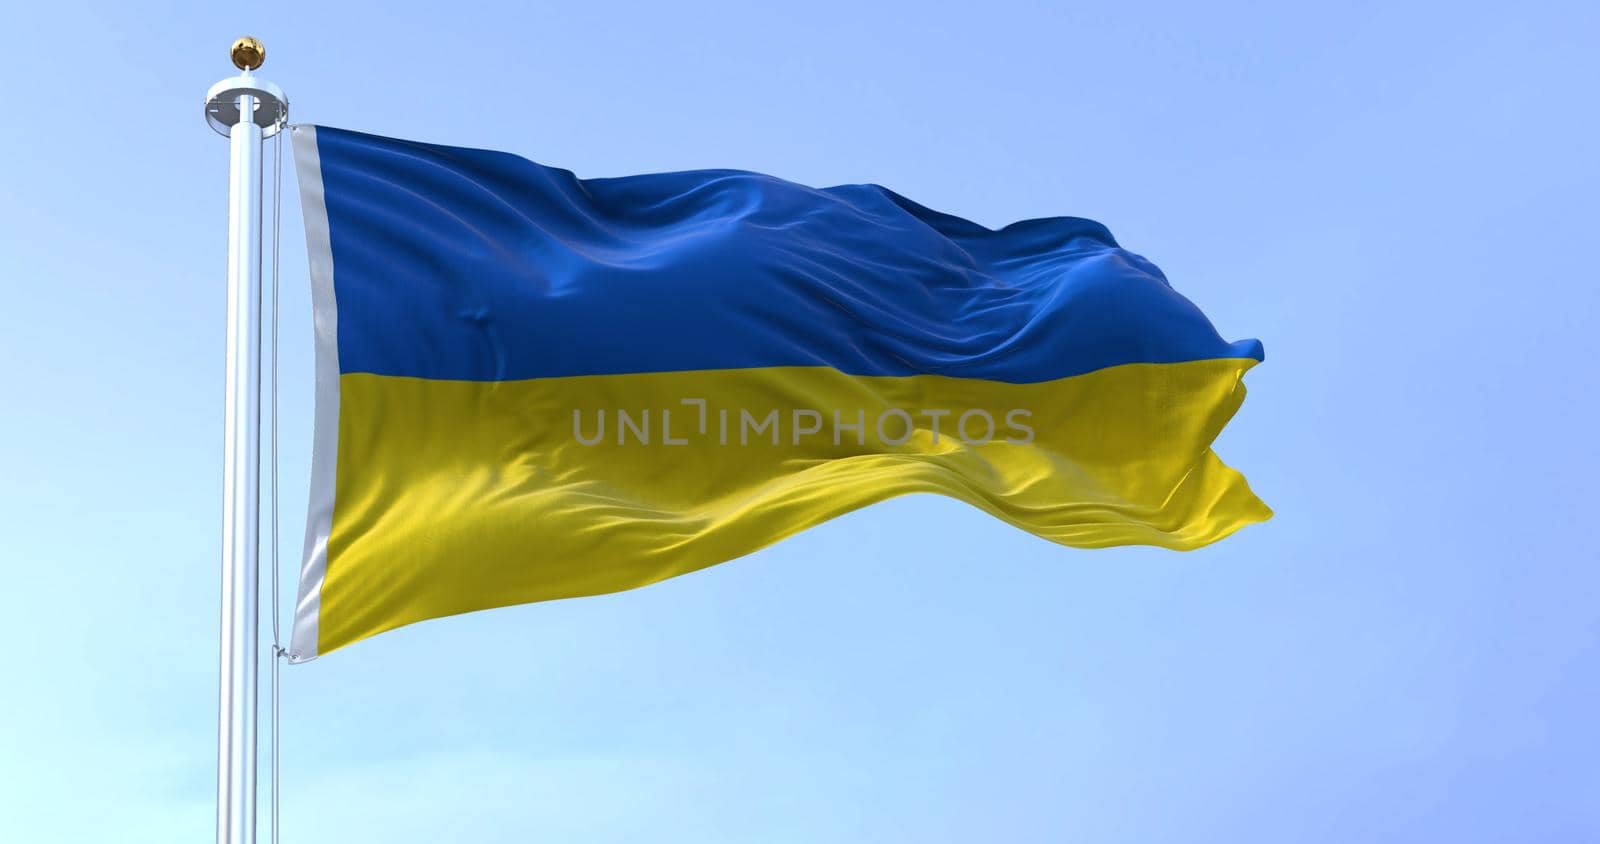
pixel 246 110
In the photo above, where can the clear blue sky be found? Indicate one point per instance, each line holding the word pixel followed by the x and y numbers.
pixel 1398 199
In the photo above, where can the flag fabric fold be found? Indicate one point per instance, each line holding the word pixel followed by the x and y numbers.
pixel 532 386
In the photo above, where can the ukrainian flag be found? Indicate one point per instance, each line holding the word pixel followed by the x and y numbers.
pixel 532 386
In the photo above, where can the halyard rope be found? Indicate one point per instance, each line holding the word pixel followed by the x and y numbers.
pixel 278 653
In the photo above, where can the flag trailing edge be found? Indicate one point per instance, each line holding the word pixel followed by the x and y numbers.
pixel 531 386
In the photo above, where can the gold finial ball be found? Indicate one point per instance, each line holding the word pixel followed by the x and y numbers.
pixel 247 53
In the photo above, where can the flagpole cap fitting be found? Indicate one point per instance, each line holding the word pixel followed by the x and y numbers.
pixel 270 108
pixel 247 53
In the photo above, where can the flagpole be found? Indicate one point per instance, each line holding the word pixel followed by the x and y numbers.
pixel 246 110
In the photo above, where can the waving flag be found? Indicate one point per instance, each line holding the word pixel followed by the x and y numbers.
pixel 532 386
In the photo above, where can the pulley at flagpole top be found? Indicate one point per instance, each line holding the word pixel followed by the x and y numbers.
pixel 245 109
pixel 269 107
